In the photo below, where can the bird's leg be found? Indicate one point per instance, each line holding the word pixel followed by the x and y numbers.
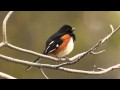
pixel 66 58
pixel 59 59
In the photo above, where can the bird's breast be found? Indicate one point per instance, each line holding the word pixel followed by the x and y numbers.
pixel 65 48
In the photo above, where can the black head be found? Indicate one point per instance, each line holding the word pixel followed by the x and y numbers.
pixel 66 29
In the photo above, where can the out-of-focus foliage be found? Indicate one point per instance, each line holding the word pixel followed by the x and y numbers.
pixel 31 29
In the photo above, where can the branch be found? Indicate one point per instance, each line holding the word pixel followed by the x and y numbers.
pixel 31 52
pixel 4 26
pixel 19 61
pixel 72 60
pixel 6 76
pixel 92 72
pixel 2 44
pixel 94 53
pixel 44 74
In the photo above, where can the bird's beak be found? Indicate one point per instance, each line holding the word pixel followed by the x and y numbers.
pixel 73 29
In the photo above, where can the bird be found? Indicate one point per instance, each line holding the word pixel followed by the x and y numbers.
pixel 61 43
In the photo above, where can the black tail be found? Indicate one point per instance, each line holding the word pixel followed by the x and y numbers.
pixel 36 61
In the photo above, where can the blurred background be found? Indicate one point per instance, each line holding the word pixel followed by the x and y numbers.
pixel 31 29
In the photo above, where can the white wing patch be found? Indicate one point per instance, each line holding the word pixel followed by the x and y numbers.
pixel 55 48
pixel 47 49
pixel 52 50
pixel 57 45
pixel 51 42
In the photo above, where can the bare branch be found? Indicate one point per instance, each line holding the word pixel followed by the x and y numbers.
pixel 2 44
pixel 112 28
pixel 44 73
pixel 31 52
pixel 112 33
pixel 95 53
pixel 92 72
pixel 100 69
pixel 18 61
pixel 6 76
pixel 4 26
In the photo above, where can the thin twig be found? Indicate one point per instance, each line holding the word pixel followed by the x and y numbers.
pixel 95 53
pixel 111 27
pixel 44 73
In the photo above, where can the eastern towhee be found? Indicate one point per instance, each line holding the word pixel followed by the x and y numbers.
pixel 60 44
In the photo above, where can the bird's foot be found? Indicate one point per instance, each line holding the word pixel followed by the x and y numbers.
pixel 66 59
pixel 59 59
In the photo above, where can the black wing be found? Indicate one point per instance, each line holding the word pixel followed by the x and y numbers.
pixel 53 43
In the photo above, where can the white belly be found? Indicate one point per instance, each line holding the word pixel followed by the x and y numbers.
pixel 68 49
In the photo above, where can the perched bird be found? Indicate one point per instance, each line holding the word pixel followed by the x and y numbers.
pixel 60 44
